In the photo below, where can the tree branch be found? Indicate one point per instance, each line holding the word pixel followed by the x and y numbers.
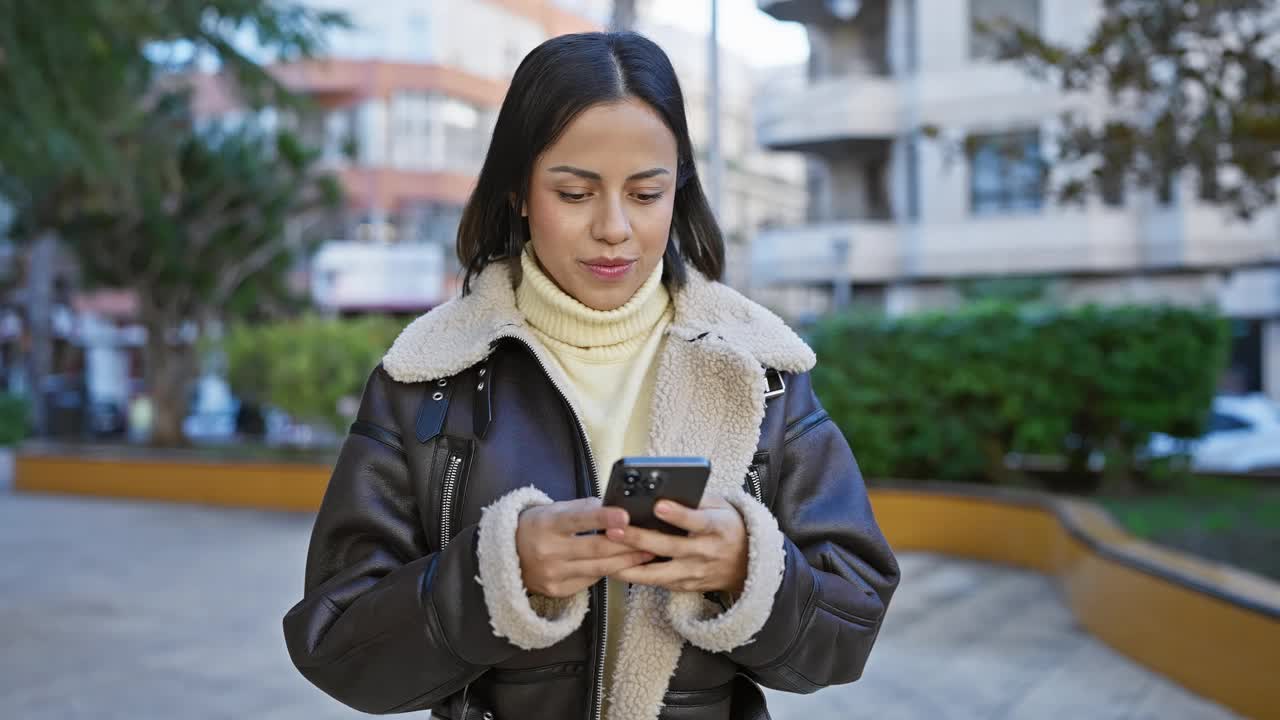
pixel 290 241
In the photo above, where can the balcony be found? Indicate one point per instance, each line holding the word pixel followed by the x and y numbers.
pixel 812 11
pixel 1214 237
pixel 362 276
pixel 863 251
pixel 832 109
pixel 870 252
pixel 1048 243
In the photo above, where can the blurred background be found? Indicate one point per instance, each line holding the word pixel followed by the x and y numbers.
pixel 1035 243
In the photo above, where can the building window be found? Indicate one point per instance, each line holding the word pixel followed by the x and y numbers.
pixel 1111 188
pixel 418 38
pixel 1006 172
pixel 991 15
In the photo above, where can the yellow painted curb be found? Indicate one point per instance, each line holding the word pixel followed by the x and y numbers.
pixel 281 486
pixel 1210 627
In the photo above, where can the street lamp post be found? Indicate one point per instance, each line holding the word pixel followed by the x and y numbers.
pixel 714 154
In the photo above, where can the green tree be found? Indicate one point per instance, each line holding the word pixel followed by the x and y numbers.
pixel 1196 84
pixel 206 242
pixel 95 133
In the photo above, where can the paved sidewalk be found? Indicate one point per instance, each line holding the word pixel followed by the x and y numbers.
pixel 118 610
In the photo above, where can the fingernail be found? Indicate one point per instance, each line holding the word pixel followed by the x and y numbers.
pixel 662 508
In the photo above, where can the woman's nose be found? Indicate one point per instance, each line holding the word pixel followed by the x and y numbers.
pixel 611 223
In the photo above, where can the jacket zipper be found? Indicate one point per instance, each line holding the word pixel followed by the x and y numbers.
pixel 753 474
pixel 595 487
pixel 450 483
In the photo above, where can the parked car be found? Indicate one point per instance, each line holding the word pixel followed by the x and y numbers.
pixel 1243 436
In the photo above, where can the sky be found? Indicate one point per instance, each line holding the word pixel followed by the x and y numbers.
pixel 744 29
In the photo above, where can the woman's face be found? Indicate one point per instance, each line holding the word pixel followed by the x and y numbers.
pixel 600 202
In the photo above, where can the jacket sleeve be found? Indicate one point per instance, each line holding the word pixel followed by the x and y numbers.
pixel 820 572
pixel 385 626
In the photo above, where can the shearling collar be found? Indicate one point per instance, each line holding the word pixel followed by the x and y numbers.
pixel 459 333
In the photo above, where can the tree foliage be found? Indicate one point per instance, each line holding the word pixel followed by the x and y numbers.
pixel 211 210
pixel 1194 85
pixel 77 76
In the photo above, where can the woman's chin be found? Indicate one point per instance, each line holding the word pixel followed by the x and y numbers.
pixel 605 298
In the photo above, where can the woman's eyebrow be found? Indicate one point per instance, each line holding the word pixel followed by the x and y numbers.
pixel 589 175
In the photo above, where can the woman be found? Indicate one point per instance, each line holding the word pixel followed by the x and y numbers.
pixel 462 561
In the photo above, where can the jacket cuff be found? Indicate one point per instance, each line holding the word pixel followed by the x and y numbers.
pixel 512 613
pixel 714 629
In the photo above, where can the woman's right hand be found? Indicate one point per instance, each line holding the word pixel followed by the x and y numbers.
pixel 555 561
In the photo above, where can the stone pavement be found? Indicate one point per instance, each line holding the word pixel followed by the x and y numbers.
pixel 113 610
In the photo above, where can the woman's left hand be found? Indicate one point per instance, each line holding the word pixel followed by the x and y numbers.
pixel 713 558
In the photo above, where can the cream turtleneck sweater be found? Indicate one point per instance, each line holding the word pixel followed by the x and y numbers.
pixel 608 357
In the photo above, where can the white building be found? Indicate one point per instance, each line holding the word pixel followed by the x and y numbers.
pixel 897 218
pixel 761 188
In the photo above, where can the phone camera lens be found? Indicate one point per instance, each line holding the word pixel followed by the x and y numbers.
pixel 631 477
pixel 628 492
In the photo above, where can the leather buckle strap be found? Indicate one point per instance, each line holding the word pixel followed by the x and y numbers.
pixel 434 408
pixel 774 384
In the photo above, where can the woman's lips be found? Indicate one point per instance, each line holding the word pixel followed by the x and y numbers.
pixel 610 272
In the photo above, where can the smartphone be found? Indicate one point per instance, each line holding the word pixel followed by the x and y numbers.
pixel 636 483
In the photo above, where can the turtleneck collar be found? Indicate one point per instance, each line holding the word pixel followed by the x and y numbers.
pixel 561 317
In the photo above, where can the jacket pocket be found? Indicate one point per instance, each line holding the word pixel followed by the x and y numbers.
pixel 525 676
pixel 450 468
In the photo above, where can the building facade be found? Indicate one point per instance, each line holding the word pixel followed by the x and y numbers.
pixel 761 188
pixel 408 97
pixel 900 219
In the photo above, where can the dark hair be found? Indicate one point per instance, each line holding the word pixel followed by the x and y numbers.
pixel 555 82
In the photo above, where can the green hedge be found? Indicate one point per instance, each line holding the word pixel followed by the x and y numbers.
pixel 308 366
pixel 949 395
pixel 13 419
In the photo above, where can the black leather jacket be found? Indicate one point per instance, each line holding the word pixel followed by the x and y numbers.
pixel 394 620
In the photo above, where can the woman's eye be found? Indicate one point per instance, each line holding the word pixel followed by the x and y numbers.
pixel 648 197
pixel 572 197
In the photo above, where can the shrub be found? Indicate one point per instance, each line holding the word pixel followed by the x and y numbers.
pixel 309 367
pixel 13 419
pixel 949 395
